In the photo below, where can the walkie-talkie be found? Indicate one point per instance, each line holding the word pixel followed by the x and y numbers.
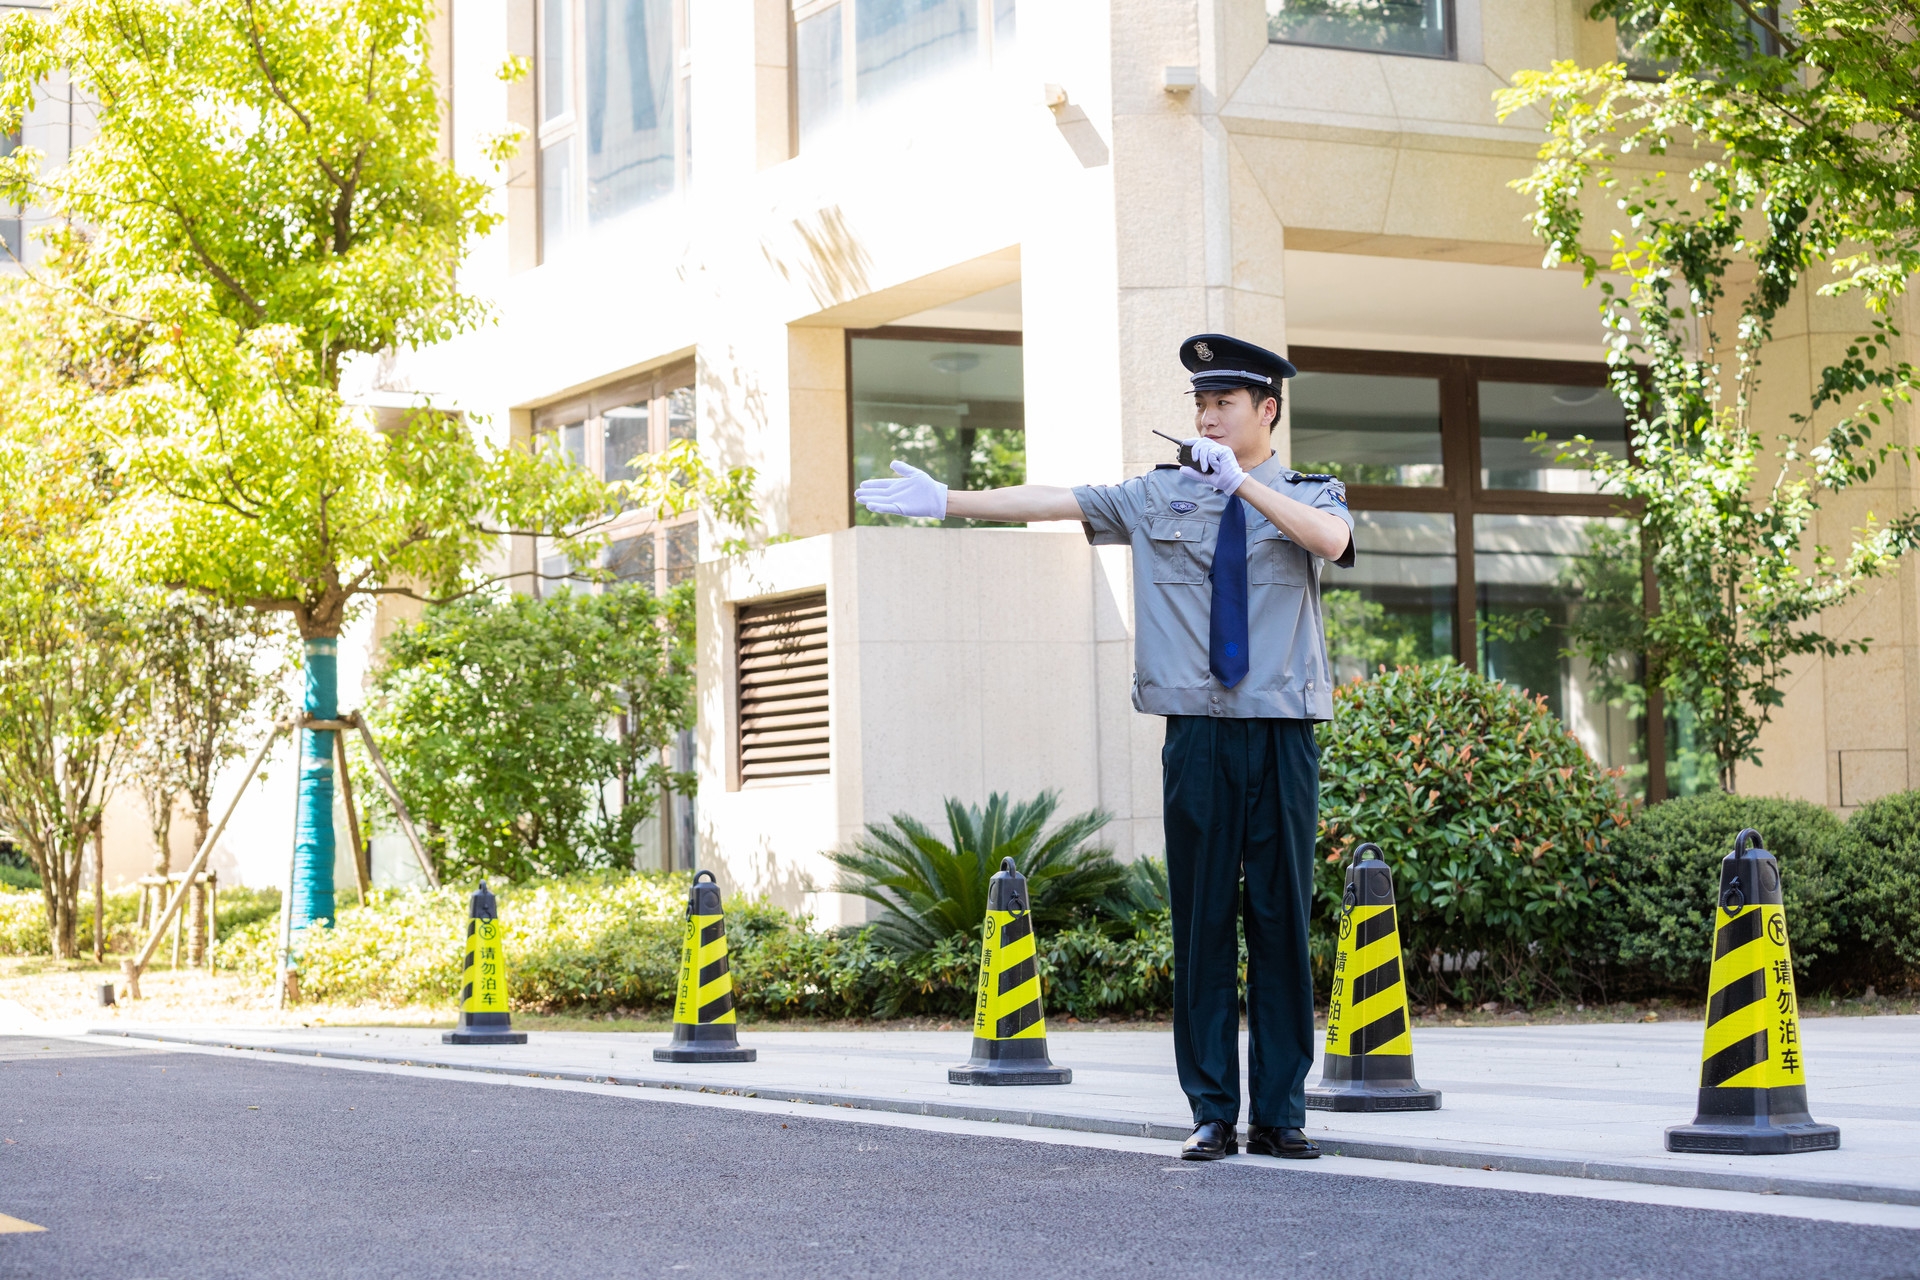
pixel 1186 450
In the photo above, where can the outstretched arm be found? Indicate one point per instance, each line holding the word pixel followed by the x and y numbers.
pixel 915 493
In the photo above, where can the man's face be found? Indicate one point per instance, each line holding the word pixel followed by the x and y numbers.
pixel 1234 419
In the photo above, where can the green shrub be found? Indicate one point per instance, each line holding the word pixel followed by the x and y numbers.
pixel 595 943
pixel 1877 885
pixel 23 924
pixel 493 712
pixel 1657 925
pixel 1496 823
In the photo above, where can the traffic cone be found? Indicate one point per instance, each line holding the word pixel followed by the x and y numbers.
pixel 483 987
pixel 1753 1084
pixel 703 1018
pixel 1009 1029
pixel 1369 1060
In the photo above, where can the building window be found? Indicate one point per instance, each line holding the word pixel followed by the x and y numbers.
pixel 1474 541
pixel 607 433
pixel 1419 28
pixel 888 44
pixel 615 134
pixel 780 670
pixel 951 402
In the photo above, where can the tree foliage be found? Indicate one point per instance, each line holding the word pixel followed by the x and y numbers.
pixel 70 676
pixel 214 676
pixel 263 203
pixel 1774 159
pixel 526 734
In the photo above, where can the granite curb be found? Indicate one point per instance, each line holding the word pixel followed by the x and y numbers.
pixel 1548 1163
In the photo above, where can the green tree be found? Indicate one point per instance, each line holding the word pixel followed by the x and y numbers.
pixel 510 720
pixel 1772 159
pixel 214 674
pixel 263 203
pixel 70 677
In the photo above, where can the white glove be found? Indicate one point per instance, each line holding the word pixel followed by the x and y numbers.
pixel 915 493
pixel 1215 464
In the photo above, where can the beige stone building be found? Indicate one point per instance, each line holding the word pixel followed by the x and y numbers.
pixel 819 234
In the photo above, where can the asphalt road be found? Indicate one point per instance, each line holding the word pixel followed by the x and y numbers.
pixel 149 1164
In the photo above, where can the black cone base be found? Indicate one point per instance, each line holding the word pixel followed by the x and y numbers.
pixel 704 1053
pixel 1009 1062
pixel 1739 1140
pixel 1367 1095
pixel 483 1028
pixel 705 1042
pixel 1009 1073
pixel 483 1035
pixel 1370 1082
pixel 1753 1122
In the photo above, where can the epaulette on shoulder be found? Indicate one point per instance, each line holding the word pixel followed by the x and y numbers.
pixel 1166 466
pixel 1299 477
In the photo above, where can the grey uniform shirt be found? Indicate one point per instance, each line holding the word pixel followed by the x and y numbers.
pixel 1171 521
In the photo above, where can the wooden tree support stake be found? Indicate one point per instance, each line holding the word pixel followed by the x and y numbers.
pixel 132 968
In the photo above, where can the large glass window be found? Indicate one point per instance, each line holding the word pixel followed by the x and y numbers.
pixel 1368 428
pixel 1423 28
pixel 1530 579
pixel 890 44
pixel 1396 606
pixel 1524 425
pixel 606 433
pixel 614 90
pixel 951 404
pixel 819 78
pixel 897 41
pixel 1475 542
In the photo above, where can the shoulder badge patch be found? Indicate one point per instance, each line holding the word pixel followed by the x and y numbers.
pixel 1335 487
pixel 1184 508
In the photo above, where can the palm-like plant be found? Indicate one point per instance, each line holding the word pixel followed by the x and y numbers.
pixel 931 890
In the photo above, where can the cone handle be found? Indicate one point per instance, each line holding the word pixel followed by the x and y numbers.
pixel 1361 852
pixel 1741 843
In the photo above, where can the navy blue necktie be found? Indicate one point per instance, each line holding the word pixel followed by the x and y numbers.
pixel 1227 625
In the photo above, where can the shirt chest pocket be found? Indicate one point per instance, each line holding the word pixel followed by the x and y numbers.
pixel 1179 550
pixel 1274 560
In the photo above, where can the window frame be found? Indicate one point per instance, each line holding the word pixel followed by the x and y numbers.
pixel 656 388
pixel 567 125
pixel 1462 496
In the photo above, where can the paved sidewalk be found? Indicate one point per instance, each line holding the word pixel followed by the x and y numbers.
pixel 1572 1101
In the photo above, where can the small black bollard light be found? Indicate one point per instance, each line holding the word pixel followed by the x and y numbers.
pixel 106 994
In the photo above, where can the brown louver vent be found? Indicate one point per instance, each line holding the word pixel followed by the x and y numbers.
pixel 781 651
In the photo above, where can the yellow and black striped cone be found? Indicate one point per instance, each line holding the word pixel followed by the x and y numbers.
pixel 704 1029
pixel 483 987
pixel 1369 1060
pixel 1009 1028
pixel 1753 1084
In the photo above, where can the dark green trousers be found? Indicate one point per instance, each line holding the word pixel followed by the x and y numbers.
pixel 1241 812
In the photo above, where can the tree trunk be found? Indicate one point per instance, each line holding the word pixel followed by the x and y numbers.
pixel 312 888
pixel 99 894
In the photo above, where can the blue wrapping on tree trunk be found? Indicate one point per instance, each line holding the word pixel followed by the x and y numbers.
pixel 313 832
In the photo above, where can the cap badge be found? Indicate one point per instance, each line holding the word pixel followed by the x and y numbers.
pixel 1202 350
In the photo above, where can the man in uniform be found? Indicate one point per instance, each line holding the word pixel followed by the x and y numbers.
pixel 1228 646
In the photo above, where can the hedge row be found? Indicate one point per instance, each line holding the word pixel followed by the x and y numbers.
pixel 596 943
pixel 23 918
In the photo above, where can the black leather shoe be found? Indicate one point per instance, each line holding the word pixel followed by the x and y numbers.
pixel 1277 1140
pixel 1210 1140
